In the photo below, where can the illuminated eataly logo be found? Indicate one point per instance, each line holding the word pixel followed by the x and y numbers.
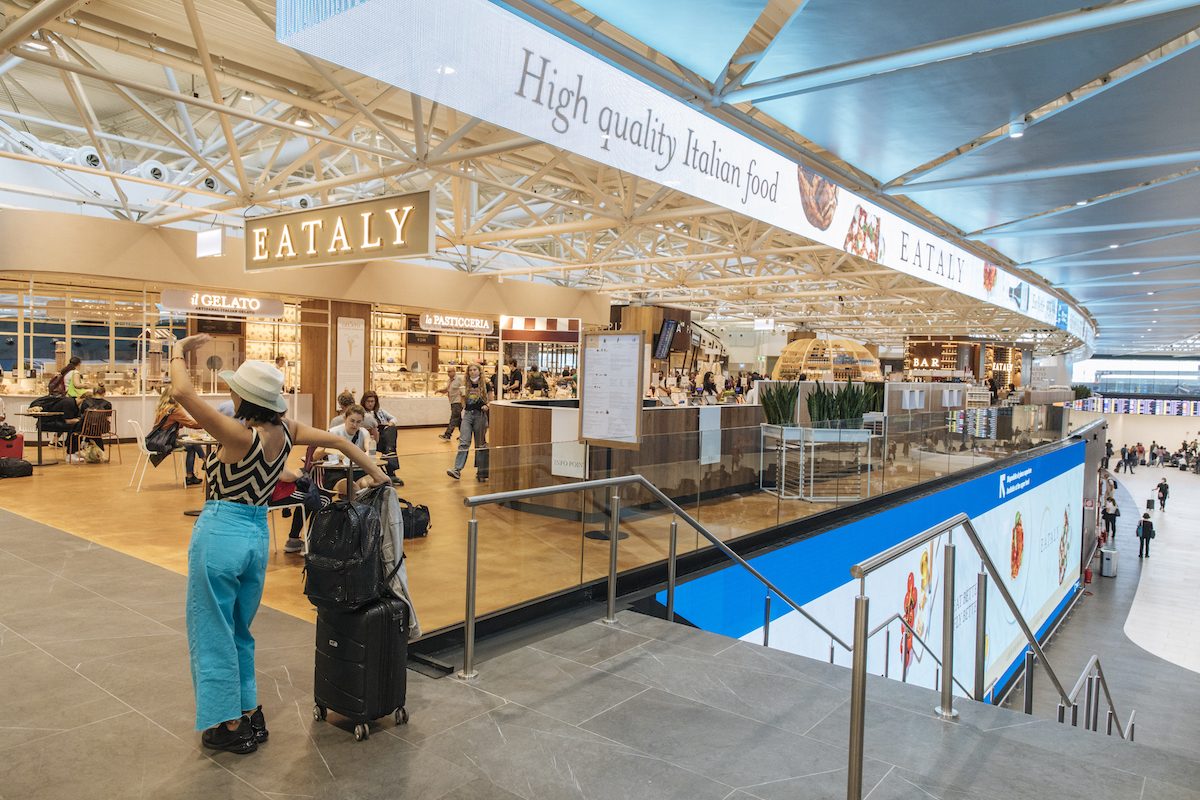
pixel 339 240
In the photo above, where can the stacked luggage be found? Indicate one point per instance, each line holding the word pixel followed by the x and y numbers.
pixel 355 576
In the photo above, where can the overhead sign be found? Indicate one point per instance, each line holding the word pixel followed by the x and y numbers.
pixel 395 226
pixel 478 58
pixel 767 324
pixel 216 301
pixel 455 323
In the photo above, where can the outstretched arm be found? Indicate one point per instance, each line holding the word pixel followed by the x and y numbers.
pixel 235 438
pixel 304 435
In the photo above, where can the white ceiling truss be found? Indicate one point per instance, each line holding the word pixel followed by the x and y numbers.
pixel 202 88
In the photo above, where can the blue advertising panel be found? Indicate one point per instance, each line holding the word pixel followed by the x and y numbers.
pixel 1029 517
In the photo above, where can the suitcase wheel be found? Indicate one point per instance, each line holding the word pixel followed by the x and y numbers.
pixel 401 716
pixel 361 731
pixel 319 712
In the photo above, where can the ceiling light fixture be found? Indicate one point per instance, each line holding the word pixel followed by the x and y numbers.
pixel 1081 202
pixel 1149 292
pixel 303 121
pixel 1016 128
pixel 1135 273
pixel 35 43
pixel 1113 246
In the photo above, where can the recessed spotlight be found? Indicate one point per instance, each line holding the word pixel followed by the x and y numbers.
pixel 1149 292
pixel 1135 273
pixel 1113 246
pixel 1081 202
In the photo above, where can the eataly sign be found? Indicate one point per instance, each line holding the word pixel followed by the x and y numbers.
pixel 399 225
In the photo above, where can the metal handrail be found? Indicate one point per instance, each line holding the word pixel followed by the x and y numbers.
pixel 613 484
pixel 928 649
pixel 1092 707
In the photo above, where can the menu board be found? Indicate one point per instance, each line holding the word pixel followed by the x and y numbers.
pixel 610 390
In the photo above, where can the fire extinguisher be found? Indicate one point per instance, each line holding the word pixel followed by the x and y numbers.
pixel 1087 575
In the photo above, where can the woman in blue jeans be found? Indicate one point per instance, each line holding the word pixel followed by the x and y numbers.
pixel 227 559
pixel 476 394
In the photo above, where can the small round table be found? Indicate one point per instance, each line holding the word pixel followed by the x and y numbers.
pixel 37 416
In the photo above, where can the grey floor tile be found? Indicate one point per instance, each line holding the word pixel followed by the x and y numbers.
pixel 717 744
pixel 677 634
pixel 116 758
pixel 1156 790
pixel 435 706
pixel 479 789
pixel 901 784
pixel 75 652
pixel 82 620
pixel 12 642
pixel 828 783
pixel 770 659
pixel 554 686
pixel 39 592
pixel 535 756
pixel 40 693
pixel 98 563
pixel 590 644
pixel 790 702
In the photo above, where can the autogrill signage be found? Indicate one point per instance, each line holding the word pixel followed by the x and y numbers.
pixel 453 323
pixel 396 226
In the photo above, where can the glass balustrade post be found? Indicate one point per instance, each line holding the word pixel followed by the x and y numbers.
pixel 858 700
pixel 614 505
pixel 887 650
pixel 672 553
pixel 1087 708
pixel 468 671
pixel 1029 662
pixel 981 583
pixel 767 619
pixel 946 709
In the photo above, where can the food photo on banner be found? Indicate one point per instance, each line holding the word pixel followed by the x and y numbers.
pixel 1029 520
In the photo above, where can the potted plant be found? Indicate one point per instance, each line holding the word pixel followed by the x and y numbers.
pixel 779 403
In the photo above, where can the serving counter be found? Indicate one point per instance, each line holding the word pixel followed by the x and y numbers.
pixel 534 443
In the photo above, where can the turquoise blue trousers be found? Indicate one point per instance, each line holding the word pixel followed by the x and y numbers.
pixel 227 564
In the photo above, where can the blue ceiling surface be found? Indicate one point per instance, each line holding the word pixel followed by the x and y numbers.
pixel 974 208
pixel 895 122
pixel 824 32
pixel 1158 252
pixel 1125 118
pixel 702 35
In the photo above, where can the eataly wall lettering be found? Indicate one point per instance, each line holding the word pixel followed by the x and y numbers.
pixel 385 227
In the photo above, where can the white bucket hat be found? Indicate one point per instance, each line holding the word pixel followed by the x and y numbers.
pixel 258 382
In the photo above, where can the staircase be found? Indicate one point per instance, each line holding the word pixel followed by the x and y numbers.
pixel 646 708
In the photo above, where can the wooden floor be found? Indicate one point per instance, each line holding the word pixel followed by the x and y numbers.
pixel 521 555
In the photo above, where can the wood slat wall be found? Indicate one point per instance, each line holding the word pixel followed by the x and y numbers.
pixel 314 356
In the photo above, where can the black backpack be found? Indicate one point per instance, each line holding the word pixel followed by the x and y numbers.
pixel 15 468
pixel 416 520
pixel 343 566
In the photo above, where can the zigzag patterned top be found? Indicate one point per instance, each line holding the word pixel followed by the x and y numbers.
pixel 250 481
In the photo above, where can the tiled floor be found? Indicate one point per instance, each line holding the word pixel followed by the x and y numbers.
pixel 1131 621
pixel 96 703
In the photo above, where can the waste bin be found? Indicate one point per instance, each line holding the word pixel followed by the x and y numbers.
pixel 1108 562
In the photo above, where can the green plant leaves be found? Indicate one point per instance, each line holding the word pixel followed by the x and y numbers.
pixel 779 402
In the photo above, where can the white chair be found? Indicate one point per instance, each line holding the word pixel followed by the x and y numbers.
pixel 26 424
pixel 303 522
pixel 144 456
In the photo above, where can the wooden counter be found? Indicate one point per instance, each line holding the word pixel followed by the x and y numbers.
pixel 527 452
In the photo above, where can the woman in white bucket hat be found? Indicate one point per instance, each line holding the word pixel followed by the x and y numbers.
pixel 227 559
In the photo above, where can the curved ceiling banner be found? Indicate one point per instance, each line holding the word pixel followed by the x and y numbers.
pixel 480 59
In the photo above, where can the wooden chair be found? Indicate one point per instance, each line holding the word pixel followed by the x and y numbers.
pixel 97 424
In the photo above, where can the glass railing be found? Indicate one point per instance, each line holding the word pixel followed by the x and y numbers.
pixel 733 482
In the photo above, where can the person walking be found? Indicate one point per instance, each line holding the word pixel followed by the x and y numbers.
pixel 1108 515
pixel 1131 460
pixel 1145 532
pixel 227 557
pixel 477 393
pixel 1163 491
pixel 1108 451
pixel 453 392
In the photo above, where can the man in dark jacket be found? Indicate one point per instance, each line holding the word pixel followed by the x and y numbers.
pixel 1163 491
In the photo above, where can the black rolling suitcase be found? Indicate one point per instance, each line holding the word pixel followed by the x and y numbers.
pixel 361 663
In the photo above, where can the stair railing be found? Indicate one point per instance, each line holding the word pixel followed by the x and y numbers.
pixel 1092 678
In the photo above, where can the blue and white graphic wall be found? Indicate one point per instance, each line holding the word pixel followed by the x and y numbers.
pixel 1030 520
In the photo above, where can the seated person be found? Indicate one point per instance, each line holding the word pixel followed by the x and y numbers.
pixel 344 401
pixel 93 399
pixel 2 412
pixel 169 411
pixel 351 429
pixel 291 490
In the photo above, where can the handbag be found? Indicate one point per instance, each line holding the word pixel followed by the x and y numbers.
pixel 58 385
pixel 7 432
pixel 163 438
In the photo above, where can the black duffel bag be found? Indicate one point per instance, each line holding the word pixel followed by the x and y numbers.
pixel 15 468
pixel 416 520
pixel 343 566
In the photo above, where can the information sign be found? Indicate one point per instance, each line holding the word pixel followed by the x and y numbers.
pixel 610 391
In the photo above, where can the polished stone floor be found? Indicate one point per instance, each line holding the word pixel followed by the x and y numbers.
pixel 1142 623
pixel 95 702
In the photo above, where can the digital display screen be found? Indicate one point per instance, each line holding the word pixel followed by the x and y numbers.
pixel 662 347
pixel 1144 406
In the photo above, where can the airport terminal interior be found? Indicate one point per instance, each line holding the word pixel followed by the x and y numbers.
pixel 746 399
